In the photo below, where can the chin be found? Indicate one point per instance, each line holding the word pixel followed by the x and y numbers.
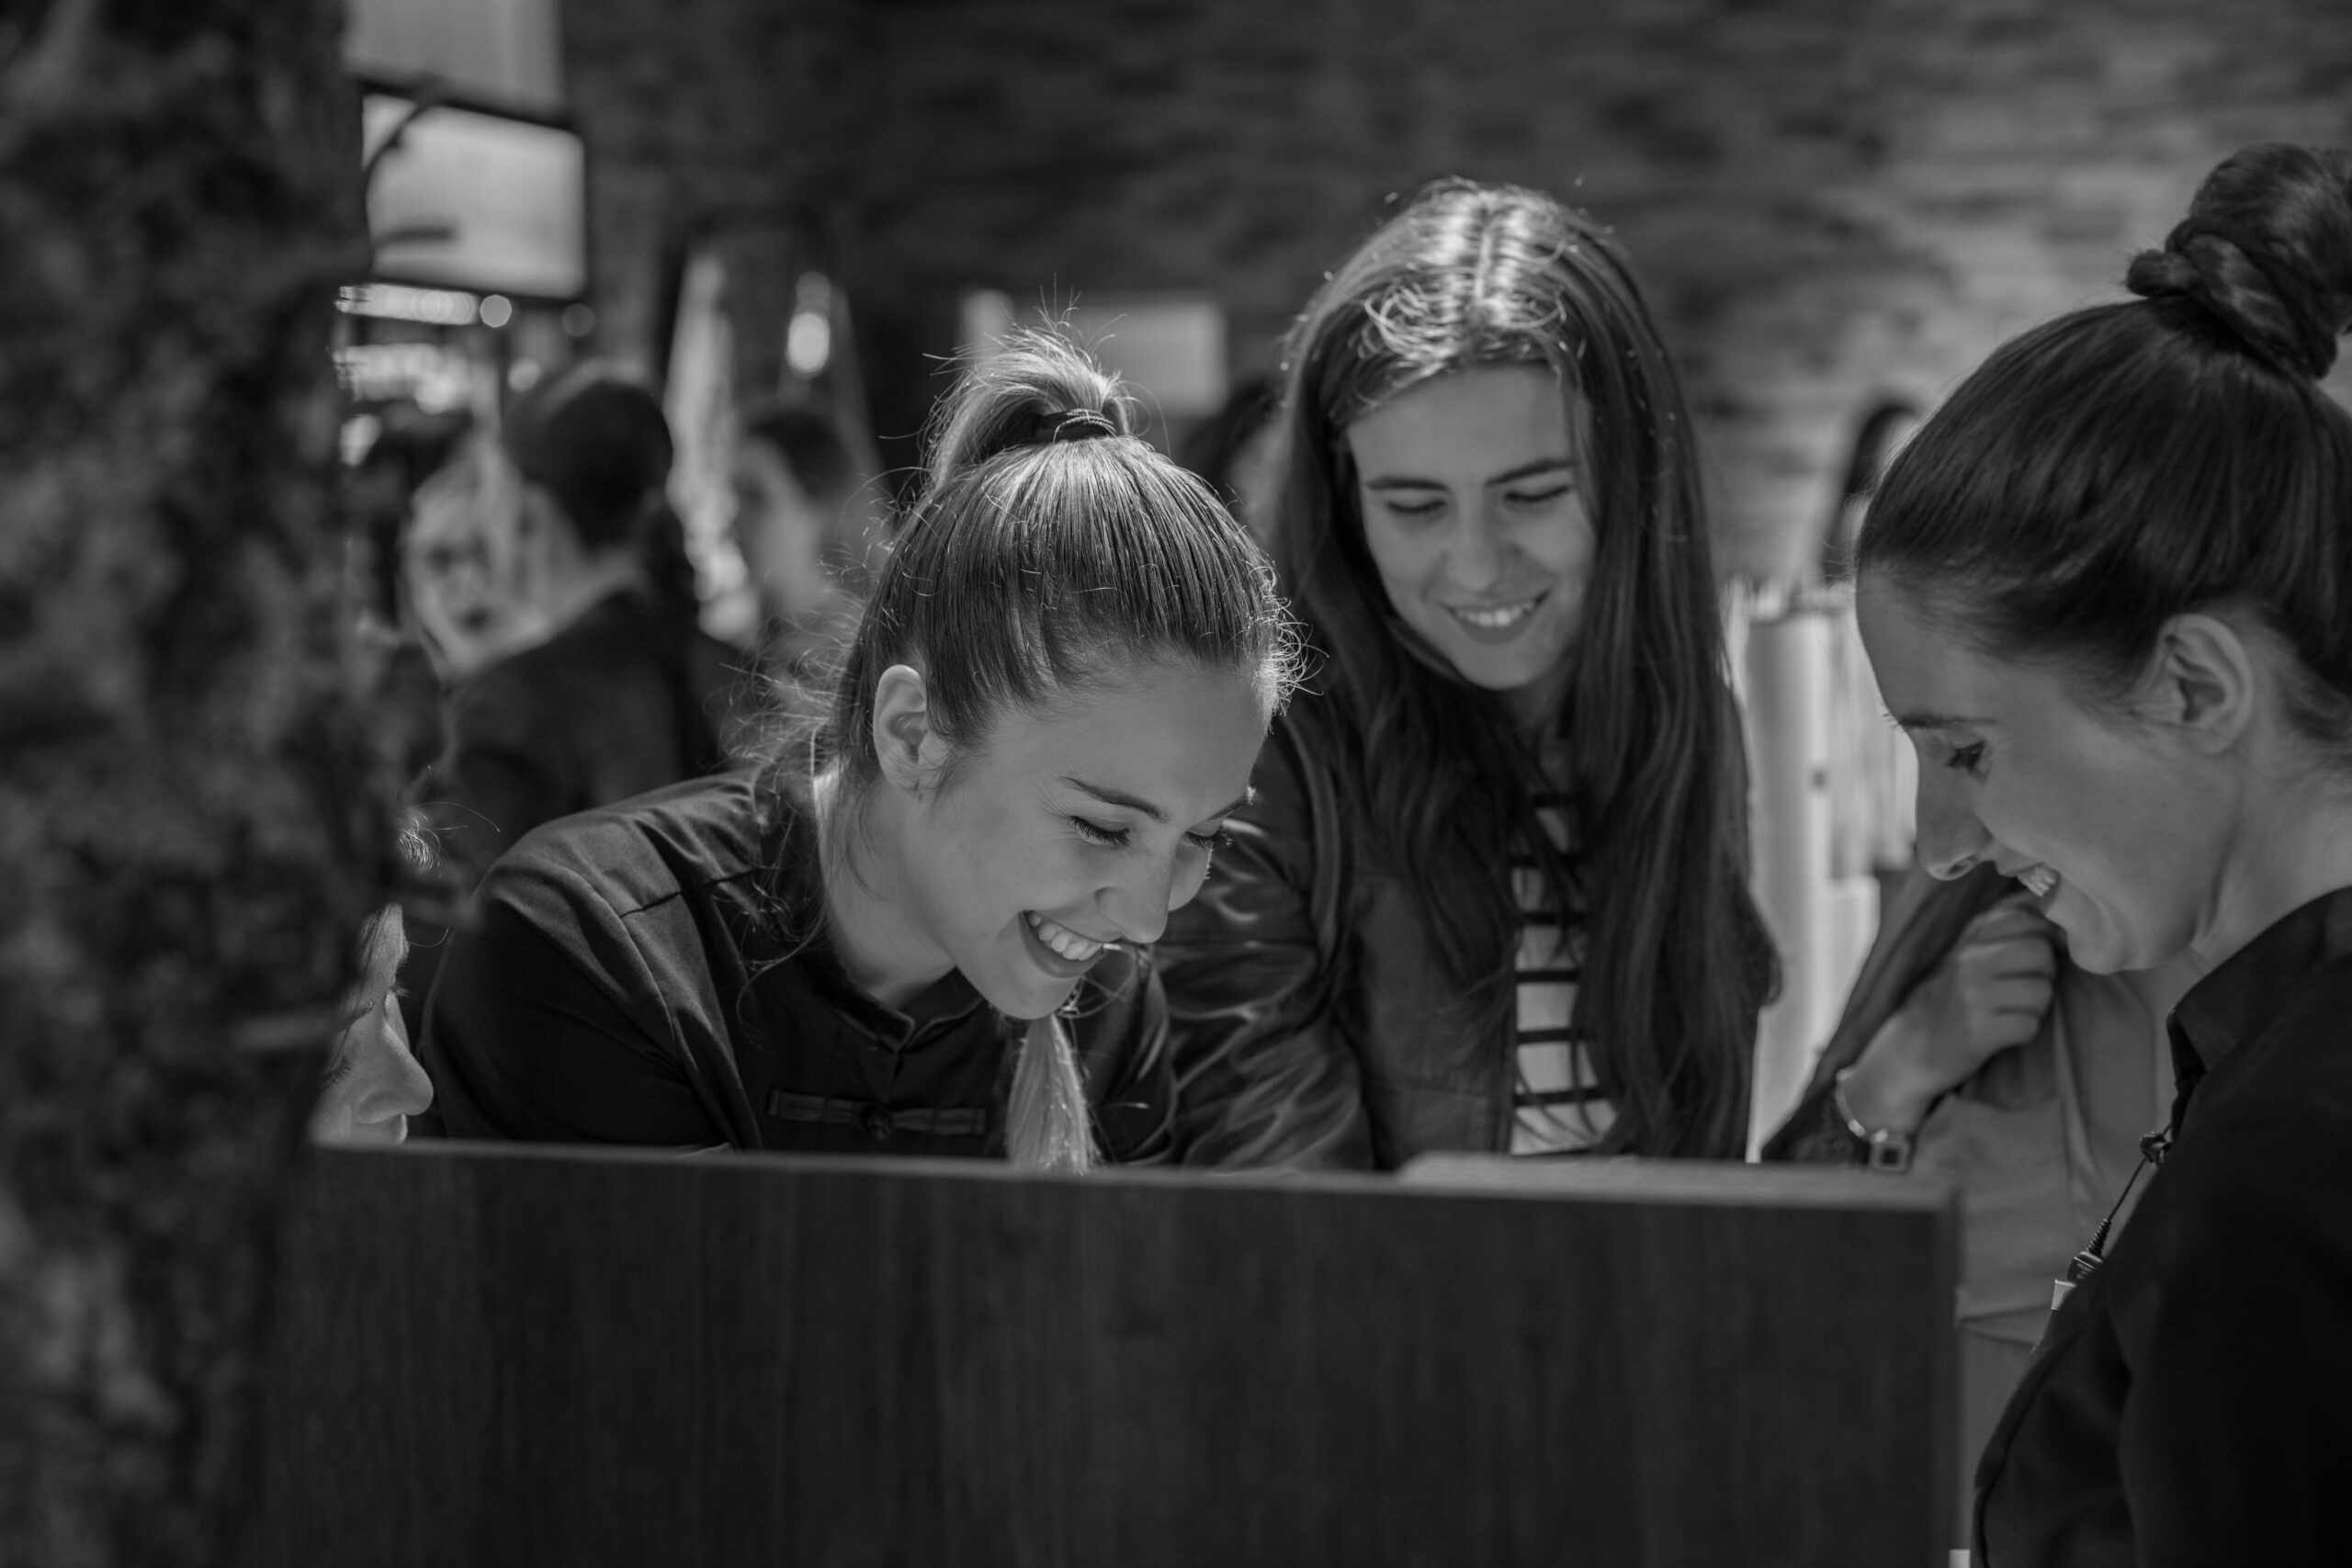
pixel 1022 996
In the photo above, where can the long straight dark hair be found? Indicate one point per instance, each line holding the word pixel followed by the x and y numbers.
pixel 1677 961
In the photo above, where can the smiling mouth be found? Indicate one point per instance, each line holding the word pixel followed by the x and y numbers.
pixel 1494 618
pixel 1065 942
pixel 2040 881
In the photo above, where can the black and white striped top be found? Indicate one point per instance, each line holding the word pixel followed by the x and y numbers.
pixel 1557 1104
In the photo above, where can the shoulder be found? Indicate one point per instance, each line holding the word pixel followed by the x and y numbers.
pixel 630 857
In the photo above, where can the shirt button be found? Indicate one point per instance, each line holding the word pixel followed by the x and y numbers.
pixel 877 1122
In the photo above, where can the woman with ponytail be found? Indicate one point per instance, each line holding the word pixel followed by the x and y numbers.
pixel 1494 895
pixel 918 927
pixel 2108 591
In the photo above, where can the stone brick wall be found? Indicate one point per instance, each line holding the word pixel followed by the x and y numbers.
pixel 1827 198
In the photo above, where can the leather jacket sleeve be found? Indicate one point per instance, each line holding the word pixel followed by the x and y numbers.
pixel 1121 1036
pixel 1265 1074
pixel 1923 922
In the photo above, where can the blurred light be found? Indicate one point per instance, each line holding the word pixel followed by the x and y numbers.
pixel 524 375
pixel 496 310
pixel 578 320
pixel 808 342
pixel 402 302
pixel 360 433
pixel 430 374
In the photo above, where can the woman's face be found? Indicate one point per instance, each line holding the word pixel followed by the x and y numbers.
pixel 1077 827
pixel 459 558
pixel 373 1085
pixel 1474 514
pixel 781 532
pixel 2113 824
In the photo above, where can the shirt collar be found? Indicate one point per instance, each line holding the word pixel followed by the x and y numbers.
pixel 795 888
pixel 2232 1004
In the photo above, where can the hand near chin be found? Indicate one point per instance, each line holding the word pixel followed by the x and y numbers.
pixel 1990 992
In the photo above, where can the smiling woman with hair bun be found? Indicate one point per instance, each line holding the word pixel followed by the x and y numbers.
pixel 918 929
pixel 2108 591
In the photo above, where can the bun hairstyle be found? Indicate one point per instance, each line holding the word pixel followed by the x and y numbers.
pixel 1050 550
pixel 2129 463
pixel 1469 277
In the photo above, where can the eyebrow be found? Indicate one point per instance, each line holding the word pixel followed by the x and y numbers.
pixel 1909 722
pixel 1122 799
pixel 1509 476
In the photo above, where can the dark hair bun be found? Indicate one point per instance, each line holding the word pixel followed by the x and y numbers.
pixel 2266 252
pixel 1034 389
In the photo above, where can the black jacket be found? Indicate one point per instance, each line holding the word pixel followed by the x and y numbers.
pixel 657 973
pixel 2191 1402
pixel 1314 1022
pixel 621 700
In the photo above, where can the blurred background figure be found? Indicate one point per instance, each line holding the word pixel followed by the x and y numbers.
pixel 462 567
pixel 1234 450
pixel 1885 424
pixel 805 520
pixel 626 692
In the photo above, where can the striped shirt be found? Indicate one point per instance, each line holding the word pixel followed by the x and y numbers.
pixel 1558 1105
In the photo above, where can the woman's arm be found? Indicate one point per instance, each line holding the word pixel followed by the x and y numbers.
pixel 1264 1076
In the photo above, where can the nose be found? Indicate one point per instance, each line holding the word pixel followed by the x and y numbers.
pixel 1951 841
pixel 388 1080
pixel 1481 553
pixel 1137 904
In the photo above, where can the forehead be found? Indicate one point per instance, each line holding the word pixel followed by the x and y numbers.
pixel 1179 736
pixel 1477 422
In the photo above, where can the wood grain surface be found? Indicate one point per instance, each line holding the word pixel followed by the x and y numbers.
pixel 493 1357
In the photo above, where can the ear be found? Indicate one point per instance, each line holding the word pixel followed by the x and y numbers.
pixel 2206 680
pixel 902 728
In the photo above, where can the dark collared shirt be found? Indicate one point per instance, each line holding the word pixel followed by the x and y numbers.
pixel 2192 1400
pixel 657 973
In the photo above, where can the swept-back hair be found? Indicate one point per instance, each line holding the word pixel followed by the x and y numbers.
pixel 1469 276
pixel 2129 463
pixel 1051 549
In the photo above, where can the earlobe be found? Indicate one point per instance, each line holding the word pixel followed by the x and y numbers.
pixel 2208 672
pixel 901 725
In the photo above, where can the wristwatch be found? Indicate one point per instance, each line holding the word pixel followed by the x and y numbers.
pixel 1877 1147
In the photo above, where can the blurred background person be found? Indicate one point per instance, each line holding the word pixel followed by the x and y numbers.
pixel 626 692
pixel 462 563
pixel 804 523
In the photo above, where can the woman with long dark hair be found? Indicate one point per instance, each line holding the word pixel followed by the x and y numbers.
pixel 1493 893
pixel 2108 591
pixel 918 929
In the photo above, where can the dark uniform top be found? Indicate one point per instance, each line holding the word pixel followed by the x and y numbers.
pixel 2191 1402
pixel 657 973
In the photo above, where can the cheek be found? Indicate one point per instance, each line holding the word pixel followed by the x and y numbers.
pixel 1565 545
pixel 1403 558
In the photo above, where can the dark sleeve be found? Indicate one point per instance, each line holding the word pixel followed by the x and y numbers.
pixel 527 1037
pixel 1121 1034
pixel 503 773
pixel 1264 1076
pixel 1922 922
pixel 2235 1438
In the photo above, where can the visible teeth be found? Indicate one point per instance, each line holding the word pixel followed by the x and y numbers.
pixel 1501 615
pixel 1063 941
pixel 2039 880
